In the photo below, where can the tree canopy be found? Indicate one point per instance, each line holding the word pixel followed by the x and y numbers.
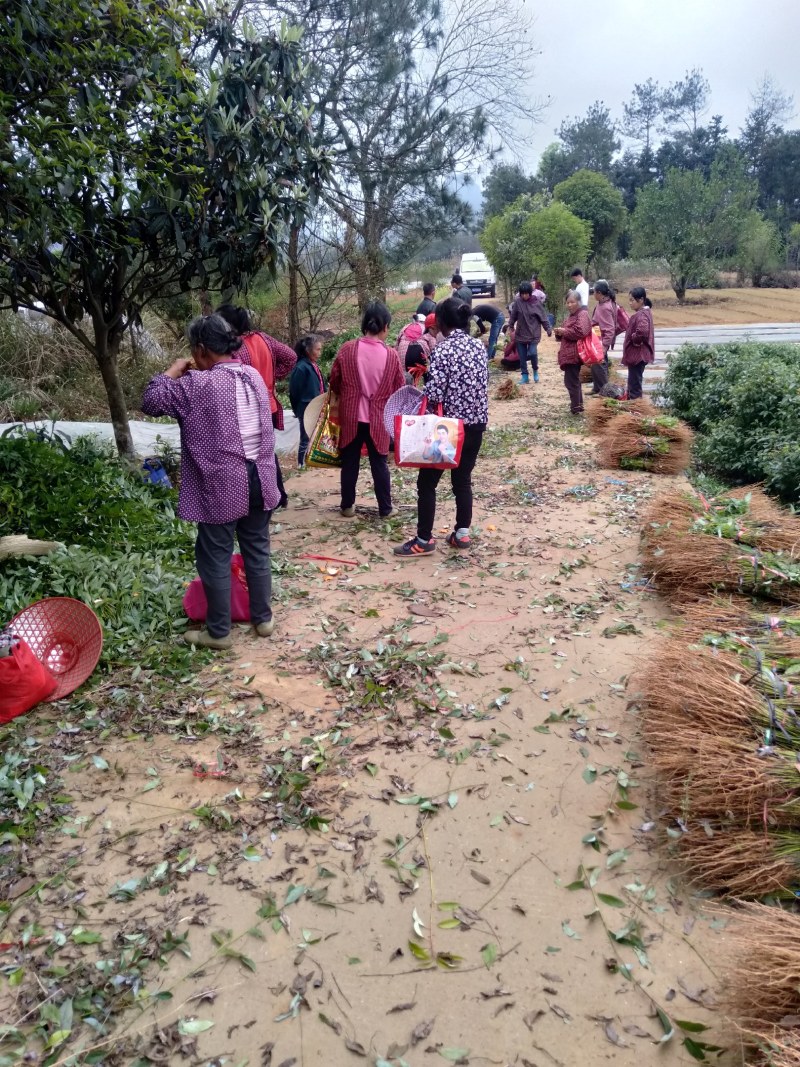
pixel 689 220
pixel 536 235
pixel 504 184
pixel 149 148
pixel 594 199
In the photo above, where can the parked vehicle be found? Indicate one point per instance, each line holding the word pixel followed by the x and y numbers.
pixel 477 273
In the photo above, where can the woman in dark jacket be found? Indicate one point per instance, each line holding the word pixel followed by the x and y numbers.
pixel 305 383
pixel 572 329
pixel 638 348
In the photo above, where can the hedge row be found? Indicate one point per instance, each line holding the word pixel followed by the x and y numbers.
pixel 744 401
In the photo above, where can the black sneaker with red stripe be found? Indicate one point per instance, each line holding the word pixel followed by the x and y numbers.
pixel 415 547
pixel 459 542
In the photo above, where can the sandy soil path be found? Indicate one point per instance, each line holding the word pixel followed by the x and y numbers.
pixel 459 726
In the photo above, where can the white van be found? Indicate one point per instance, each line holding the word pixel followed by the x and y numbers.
pixel 477 273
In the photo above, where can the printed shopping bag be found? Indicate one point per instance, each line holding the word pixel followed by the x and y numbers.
pixel 428 440
pixel 323 448
pixel 590 349
pixel 195 605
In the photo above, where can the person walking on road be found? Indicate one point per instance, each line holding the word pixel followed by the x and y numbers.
pixel 572 329
pixel 638 348
pixel 364 375
pixel 459 381
pixel 527 318
pixel 483 313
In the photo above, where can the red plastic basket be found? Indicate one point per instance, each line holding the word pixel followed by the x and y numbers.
pixel 65 635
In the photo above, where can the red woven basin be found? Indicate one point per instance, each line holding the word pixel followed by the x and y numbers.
pixel 65 635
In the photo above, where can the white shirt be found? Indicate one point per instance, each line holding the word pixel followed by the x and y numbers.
pixel 582 289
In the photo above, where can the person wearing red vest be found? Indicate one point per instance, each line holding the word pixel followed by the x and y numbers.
pixel 271 358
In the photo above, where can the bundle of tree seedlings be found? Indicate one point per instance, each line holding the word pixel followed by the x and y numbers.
pixel 721 719
pixel 739 543
pixel 603 410
pixel 660 444
pixel 762 988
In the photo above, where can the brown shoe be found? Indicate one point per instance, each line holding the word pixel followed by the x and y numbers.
pixel 203 639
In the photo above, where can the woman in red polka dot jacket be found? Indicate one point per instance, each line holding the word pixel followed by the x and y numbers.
pixel 228 479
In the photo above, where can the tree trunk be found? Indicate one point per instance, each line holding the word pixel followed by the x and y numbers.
pixel 107 356
pixel 294 299
pixel 679 288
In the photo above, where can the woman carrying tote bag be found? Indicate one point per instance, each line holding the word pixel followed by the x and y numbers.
pixel 458 380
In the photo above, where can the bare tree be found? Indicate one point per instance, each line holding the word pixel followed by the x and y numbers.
pixel 408 94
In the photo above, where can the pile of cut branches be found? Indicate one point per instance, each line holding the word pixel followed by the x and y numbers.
pixel 738 543
pixel 602 411
pixel 660 444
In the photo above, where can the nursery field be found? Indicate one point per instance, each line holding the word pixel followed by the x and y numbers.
pixel 717 307
pixel 420 825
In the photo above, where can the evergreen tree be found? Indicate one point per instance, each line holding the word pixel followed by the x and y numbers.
pixel 148 149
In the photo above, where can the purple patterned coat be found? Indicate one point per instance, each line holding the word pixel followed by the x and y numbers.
pixel 214 484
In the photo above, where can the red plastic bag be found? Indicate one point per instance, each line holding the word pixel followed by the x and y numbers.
pixel 590 349
pixel 24 681
pixel 194 599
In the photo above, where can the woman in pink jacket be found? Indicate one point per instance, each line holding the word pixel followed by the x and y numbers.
pixel 604 316
pixel 639 348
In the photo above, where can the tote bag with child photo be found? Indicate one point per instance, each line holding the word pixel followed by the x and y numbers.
pixel 428 440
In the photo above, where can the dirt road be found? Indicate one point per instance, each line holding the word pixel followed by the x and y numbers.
pixel 479 881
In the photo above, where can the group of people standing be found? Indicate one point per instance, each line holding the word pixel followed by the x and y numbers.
pixel 638 346
pixel 223 397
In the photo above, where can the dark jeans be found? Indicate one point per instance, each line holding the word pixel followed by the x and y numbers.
pixel 461 479
pixel 213 550
pixel 305 440
pixel 635 376
pixel 599 375
pixel 351 462
pixel 572 380
pixel 494 333
pixel 528 350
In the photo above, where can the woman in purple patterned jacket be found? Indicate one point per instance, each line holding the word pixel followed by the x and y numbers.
pixel 228 480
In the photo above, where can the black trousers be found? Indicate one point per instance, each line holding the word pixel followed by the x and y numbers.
pixel 351 463
pixel 213 550
pixel 599 374
pixel 572 380
pixel 279 476
pixel 461 480
pixel 635 377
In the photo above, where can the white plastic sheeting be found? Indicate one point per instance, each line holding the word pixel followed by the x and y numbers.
pixel 145 434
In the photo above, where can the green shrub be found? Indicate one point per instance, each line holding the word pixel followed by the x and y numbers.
pixel 744 399
pixel 127 555
pixel 82 495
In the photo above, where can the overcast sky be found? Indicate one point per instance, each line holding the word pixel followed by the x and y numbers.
pixel 599 51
